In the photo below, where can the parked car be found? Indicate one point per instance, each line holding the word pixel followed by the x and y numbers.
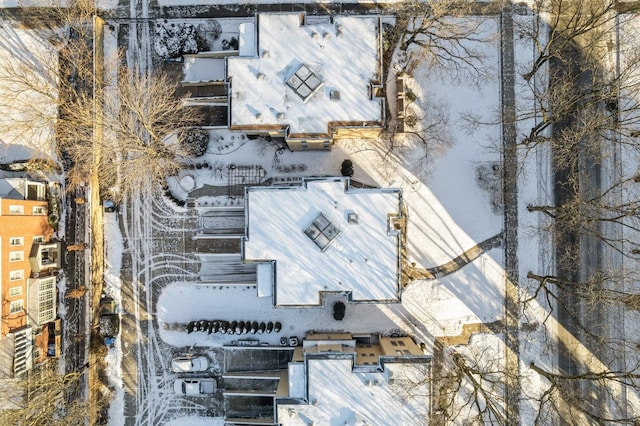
pixel 109 320
pixel 109 206
pixel 189 364
pixel 194 387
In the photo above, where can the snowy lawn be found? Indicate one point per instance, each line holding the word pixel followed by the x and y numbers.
pixel 112 288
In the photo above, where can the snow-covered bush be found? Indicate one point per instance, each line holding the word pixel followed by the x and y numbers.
pixel 347 168
pixel 194 141
pixel 173 39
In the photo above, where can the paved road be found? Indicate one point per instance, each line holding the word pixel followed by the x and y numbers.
pixel 578 254
pixel 510 199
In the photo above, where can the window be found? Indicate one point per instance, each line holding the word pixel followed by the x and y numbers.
pixel 13 209
pixel 15 291
pixel 16 241
pixel 15 306
pixel 16 275
pixel 401 343
pixel 39 210
pixel 38 239
pixel 48 256
pixel 394 343
pixel 46 301
pixel 15 256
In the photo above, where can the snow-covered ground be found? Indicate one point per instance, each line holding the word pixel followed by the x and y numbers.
pixel 112 287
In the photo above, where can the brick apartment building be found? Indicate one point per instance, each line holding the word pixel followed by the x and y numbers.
pixel 29 260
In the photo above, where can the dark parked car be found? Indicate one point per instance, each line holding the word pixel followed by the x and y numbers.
pixel 109 320
pixel 109 206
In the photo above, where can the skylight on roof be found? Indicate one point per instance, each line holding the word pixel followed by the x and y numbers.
pixel 322 232
pixel 304 82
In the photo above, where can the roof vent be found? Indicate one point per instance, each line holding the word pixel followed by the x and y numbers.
pixel 260 76
pixel 334 95
pixel 352 218
pixel 339 33
pixel 265 54
pixel 280 116
pixel 326 35
pixel 258 115
pixel 315 35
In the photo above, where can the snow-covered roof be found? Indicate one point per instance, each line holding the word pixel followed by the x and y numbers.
pixel 338 395
pixel 198 69
pixel 362 258
pixel 343 55
pixel 16 188
pixel 296 380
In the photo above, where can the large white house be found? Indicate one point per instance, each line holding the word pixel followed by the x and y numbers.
pixel 324 236
pixel 307 82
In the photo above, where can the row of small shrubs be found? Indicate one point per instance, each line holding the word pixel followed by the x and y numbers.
pixel 203 165
pixel 169 195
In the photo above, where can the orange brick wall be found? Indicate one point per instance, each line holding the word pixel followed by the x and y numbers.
pixel 27 226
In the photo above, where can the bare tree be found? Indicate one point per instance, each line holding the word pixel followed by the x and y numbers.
pixel 562 24
pixel 560 396
pixel 48 62
pixel 599 289
pixel 426 125
pixel 470 382
pixel 448 34
pixel 44 400
pixel 586 214
pixel 136 121
pixel 130 116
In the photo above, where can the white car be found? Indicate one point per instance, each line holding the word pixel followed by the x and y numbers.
pixel 194 387
pixel 188 364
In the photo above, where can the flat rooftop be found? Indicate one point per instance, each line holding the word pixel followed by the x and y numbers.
pixel 357 253
pixel 337 395
pixel 306 76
